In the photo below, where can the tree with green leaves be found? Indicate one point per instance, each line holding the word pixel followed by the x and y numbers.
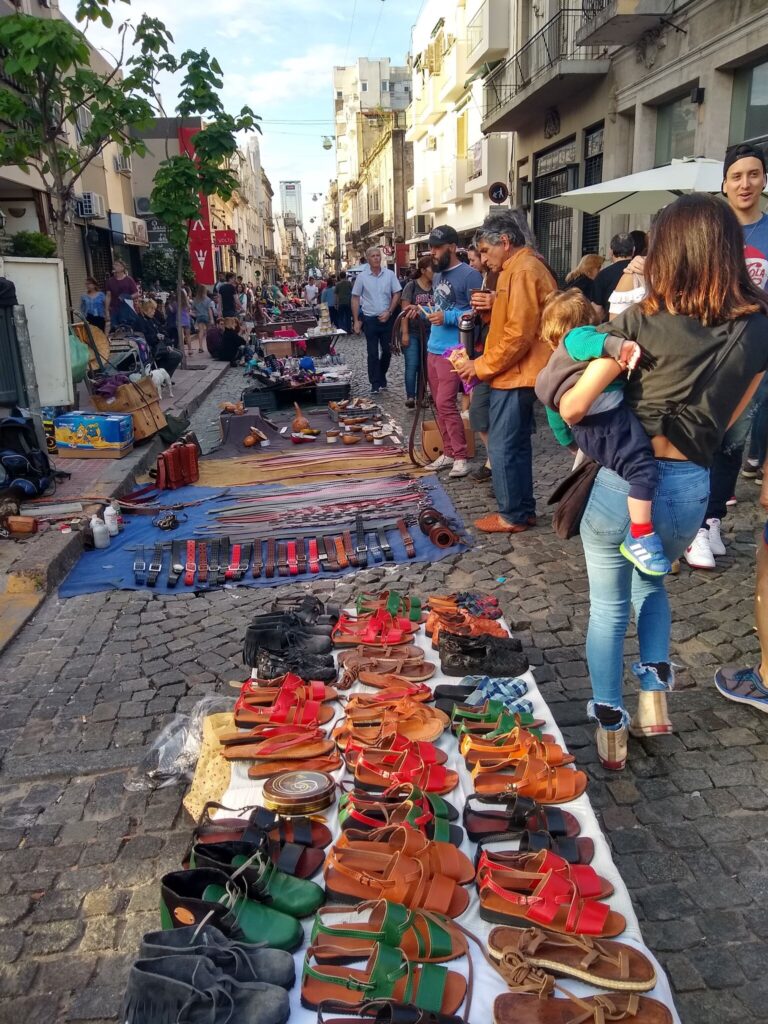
pixel 51 80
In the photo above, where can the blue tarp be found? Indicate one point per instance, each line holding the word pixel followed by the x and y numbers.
pixel 112 568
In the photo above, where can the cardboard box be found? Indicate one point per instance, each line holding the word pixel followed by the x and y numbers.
pixel 88 435
pixel 433 442
pixel 280 347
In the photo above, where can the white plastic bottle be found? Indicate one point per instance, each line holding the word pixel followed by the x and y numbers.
pixel 110 519
pixel 100 532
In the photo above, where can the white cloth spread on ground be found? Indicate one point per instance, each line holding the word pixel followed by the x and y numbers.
pixel 244 792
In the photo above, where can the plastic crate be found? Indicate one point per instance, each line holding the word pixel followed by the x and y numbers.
pixel 260 398
pixel 333 392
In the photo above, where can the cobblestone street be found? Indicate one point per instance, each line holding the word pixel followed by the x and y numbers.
pixel 90 681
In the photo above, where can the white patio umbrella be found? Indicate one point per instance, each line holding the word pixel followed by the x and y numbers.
pixel 645 191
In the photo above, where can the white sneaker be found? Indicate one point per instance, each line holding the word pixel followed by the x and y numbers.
pixel 444 462
pixel 715 537
pixel 699 554
pixel 460 468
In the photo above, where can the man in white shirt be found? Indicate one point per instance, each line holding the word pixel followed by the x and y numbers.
pixel 377 293
pixel 310 293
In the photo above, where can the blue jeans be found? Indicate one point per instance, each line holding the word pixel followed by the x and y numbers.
pixel 509 449
pixel 377 336
pixel 758 443
pixel 615 585
pixel 412 358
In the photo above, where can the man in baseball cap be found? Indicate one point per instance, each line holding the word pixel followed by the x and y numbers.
pixel 451 286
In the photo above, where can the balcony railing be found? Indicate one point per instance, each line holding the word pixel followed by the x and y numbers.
pixel 376 221
pixel 554 42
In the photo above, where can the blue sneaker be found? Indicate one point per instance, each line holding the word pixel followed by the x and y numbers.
pixel 504 689
pixel 646 554
pixel 744 685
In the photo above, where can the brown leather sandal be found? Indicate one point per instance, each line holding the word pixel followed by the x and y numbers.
pixel 533 778
pixel 604 962
pixel 438 858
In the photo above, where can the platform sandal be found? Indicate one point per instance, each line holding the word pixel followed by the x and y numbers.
pixel 422 936
pixel 553 904
pixel 604 963
pixel 387 974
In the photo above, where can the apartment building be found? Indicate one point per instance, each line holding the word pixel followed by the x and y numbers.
pixel 454 162
pixel 595 90
pixel 373 157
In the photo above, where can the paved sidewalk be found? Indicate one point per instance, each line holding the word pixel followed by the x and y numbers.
pixel 32 567
pixel 90 682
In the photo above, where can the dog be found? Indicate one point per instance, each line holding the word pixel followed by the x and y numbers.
pixel 161 379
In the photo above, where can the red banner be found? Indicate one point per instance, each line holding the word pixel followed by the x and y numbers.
pixel 200 243
pixel 225 237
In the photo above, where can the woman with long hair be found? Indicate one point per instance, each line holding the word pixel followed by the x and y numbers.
pixel 416 294
pixel 702 328
pixel 585 272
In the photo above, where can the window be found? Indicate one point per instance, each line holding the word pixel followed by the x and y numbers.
pixel 385 86
pixel 406 86
pixel 749 104
pixel 675 130
pixel 363 87
pixel 339 94
pixel 593 175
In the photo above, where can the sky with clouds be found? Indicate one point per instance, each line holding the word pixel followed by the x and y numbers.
pixel 278 57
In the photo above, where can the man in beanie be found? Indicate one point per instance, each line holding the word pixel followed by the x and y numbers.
pixel 451 285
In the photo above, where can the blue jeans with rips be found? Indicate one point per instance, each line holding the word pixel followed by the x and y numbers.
pixel 615 586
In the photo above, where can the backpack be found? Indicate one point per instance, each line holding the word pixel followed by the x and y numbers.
pixel 25 470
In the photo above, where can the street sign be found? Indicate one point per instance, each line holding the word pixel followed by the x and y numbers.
pixel 225 237
pixel 498 192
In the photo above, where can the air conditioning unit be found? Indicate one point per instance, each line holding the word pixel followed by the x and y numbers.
pixel 142 205
pixel 123 164
pixel 423 223
pixel 90 205
pixel 431 142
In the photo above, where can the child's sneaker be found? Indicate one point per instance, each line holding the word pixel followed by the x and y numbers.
pixel 646 554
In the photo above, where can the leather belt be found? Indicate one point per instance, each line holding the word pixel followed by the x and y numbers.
pixel 203 567
pixel 230 573
pixel 190 566
pixel 244 562
pixel 330 554
pixel 376 553
pixel 282 558
pixel 386 550
pixel 407 539
pixel 256 571
pixel 349 547
pixel 301 556
pixel 269 569
pixel 223 562
pixel 140 567
pixel 314 555
pixel 176 567
pixel 361 546
pixel 155 564
pixel 291 558
pixel 341 555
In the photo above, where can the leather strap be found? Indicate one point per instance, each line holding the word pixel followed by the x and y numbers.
pixel 244 562
pixel 269 569
pixel 257 563
pixel 213 565
pixel 361 545
pixel 282 558
pixel 330 554
pixel 155 564
pixel 349 547
pixel 386 550
pixel 176 568
pixel 341 554
pixel 314 555
pixel 190 565
pixel 301 555
pixel 373 546
pixel 407 539
pixel 140 567
pixel 230 573
pixel 291 558
pixel 223 562
pixel 202 563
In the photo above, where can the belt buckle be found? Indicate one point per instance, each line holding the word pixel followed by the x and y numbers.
pixel 178 568
pixel 361 549
pixel 155 567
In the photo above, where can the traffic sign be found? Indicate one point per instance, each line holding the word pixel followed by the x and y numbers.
pixel 498 192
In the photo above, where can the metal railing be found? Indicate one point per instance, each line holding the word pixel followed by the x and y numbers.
pixel 475 29
pixel 376 221
pixel 554 42
pixel 591 8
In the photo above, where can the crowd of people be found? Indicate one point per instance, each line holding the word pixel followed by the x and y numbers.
pixel 650 368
